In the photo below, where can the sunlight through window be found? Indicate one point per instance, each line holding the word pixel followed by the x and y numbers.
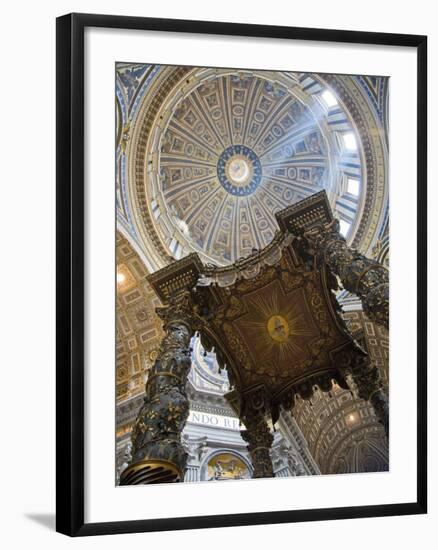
pixel 353 187
pixel 350 141
pixel 329 98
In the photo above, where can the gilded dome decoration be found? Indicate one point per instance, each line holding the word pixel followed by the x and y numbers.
pixel 235 150
pixel 216 153
pixel 239 170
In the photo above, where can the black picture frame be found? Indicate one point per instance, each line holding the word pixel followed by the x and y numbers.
pixel 70 273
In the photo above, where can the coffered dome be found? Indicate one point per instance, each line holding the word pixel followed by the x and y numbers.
pixel 224 150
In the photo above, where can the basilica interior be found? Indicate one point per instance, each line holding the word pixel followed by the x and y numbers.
pixel 252 251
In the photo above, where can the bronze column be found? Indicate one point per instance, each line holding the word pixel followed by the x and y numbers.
pixel 259 439
pixel 158 455
pixel 366 378
pixel 359 275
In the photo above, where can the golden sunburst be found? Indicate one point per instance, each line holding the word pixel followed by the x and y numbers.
pixel 277 330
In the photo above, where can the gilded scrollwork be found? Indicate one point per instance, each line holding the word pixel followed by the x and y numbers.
pixel 238 349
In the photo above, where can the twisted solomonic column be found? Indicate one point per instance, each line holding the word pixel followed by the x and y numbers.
pixel 367 380
pixel 366 278
pixel 259 439
pixel 158 456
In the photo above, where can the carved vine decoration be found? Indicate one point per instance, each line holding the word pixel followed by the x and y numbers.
pixel 157 431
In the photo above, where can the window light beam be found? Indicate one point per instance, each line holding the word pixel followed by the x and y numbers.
pixel 329 98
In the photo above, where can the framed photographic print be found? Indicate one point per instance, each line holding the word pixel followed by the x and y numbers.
pixel 241 274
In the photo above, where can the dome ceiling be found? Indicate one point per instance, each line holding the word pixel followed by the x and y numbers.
pixel 236 149
pixel 225 150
